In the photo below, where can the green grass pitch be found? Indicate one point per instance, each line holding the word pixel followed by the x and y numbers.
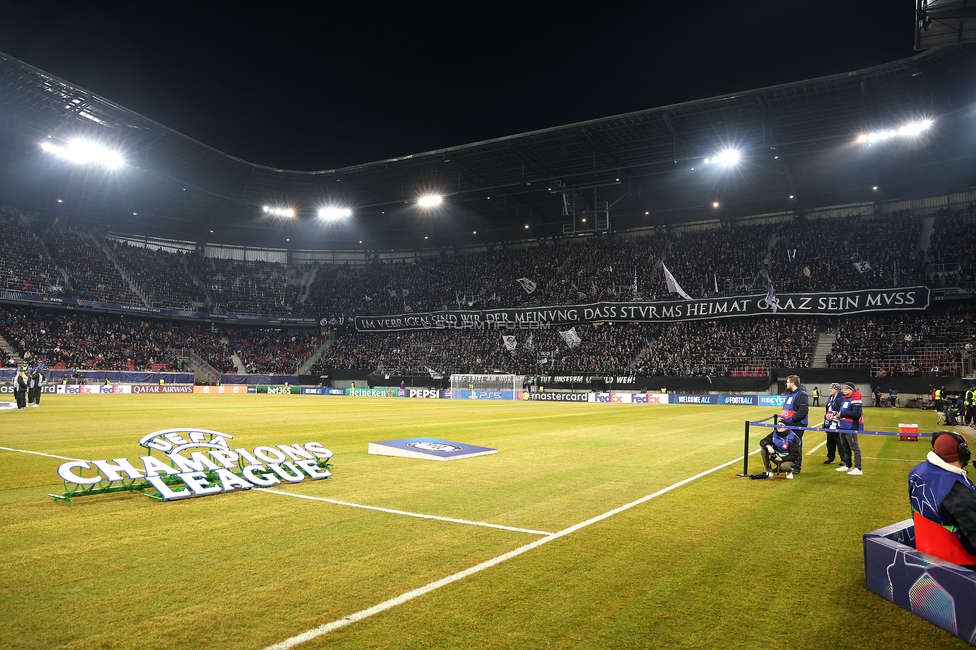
pixel 720 562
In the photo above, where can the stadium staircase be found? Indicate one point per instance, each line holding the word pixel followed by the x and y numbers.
pixel 135 288
pixel 305 366
pixel 47 253
pixel 306 283
pixel 234 357
pixel 824 345
pixel 925 237
pixel 203 372
pixel 9 352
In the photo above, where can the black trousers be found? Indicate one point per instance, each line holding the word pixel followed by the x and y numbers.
pixel 833 441
pixel 21 397
pixel 34 396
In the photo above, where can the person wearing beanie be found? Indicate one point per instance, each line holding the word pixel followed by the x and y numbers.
pixel 834 399
pixel 940 490
pixel 780 450
pixel 795 412
pixel 850 420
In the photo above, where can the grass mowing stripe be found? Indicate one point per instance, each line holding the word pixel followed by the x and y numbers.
pixel 437 584
pixel 37 453
pixel 405 513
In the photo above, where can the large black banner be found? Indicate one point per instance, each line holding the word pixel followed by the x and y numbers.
pixel 838 303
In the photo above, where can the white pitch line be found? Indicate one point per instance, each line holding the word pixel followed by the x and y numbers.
pixel 37 453
pixel 810 453
pixel 437 584
pixel 405 513
pixel 904 460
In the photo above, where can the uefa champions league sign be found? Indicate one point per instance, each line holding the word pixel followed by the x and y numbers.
pixel 194 463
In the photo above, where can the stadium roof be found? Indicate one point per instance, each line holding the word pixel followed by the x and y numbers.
pixel 795 140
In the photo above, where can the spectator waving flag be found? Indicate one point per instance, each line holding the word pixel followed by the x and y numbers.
pixel 529 345
pixel 863 266
pixel 510 342
pixel 433 373
pixel 571 338
pixel 770 293
pixel 635 280
pixel 715 275
pixel 527 284
pixel 673 286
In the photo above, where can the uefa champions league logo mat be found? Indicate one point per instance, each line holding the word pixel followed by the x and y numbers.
pixel 428 449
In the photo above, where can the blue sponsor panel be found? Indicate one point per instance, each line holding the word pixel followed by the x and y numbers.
pixel 313 391
pixel 693 399
pixel 428 449
pixel 483 394
pixel 772 400
pixel 941 592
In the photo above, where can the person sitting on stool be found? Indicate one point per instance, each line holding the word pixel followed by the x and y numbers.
pixel 779 450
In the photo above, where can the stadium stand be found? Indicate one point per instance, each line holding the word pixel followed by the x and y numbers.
pixel 161 275
pixel 25 265
pixel 90 272
pixel 271 351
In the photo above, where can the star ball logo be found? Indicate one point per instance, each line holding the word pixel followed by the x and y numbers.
pixel 435 446
pixel 201 462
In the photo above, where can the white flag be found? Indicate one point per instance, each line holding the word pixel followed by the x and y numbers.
pixel 527 284
pixel 673 284
pixel 433 373
pixel 862 266
pixel 715 275
pixel 510 342
pixel 771 294
pixel 367 298
pixel 635 280
pixel 528 343
pixel 571 338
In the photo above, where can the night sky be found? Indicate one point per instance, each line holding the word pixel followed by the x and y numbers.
pixel 346 83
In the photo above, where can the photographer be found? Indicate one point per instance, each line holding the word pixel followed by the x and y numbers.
pixel 780 451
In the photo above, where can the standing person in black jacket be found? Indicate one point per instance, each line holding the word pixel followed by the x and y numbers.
pixel 832 410
pixel 36 380
pixel 795 411
pixel 20 388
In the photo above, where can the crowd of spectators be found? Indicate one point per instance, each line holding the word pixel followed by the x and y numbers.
pixel 724 347
pixel 24 265
pixel 904 344
pixel 242 287
pixel 819 254
pixel 854 252
pixel 604 348
pixel 160 274
pixel 271 351
pixel 97 341
pixel 689 348
pixel 91 274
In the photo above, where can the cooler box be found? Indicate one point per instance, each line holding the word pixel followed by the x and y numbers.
pixel 908 431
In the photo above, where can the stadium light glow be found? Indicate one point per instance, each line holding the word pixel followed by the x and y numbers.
pixel 82 152
pixel 430 200
pixel 334 213
pixel 715 204
pixel 911 129
pixel 278 211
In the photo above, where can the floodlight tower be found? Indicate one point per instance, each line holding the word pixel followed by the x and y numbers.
pixel 586 212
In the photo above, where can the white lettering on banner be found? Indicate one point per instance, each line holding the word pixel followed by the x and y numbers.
pixel 823 304
pixel 202 461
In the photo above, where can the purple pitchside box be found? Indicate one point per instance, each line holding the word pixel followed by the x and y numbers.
pixel 428 449
pixel 941 592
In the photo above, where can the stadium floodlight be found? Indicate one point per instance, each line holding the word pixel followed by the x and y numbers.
pixel 910 129
pixel 334 213
pixel 278 211
pixel 726 158
pixel 430 200
pixel 83 152
pixel 715 204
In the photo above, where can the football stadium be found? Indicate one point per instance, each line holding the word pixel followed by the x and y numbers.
pixel 696 369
